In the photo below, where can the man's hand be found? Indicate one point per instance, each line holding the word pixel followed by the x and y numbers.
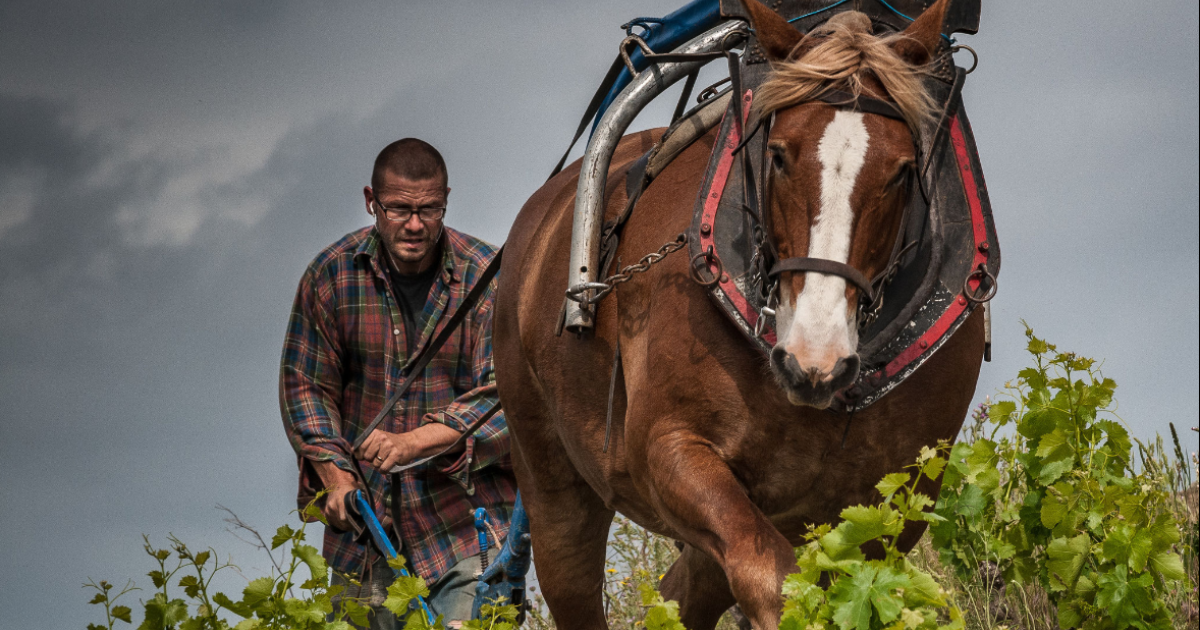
pixel 340 484
pixel 384 451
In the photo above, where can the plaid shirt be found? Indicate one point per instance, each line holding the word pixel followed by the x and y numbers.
pixel 344 355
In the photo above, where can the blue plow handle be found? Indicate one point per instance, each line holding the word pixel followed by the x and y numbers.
pixel 505 576
pixel 367 513
pixel 664 35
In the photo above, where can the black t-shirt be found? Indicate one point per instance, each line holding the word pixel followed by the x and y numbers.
pixel 411 291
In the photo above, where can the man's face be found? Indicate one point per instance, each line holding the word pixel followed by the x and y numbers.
pixel 412 243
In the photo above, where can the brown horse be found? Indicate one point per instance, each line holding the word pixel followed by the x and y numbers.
pixel 713 445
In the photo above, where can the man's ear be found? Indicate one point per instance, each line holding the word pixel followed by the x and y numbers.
pixel 368 197
pixel 776 37
pixel 920 41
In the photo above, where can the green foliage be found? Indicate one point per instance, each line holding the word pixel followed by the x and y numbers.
pixel 1055 500
pixel 660 615
pixel 1044 485
pixel 499 616
pixel 267 603
pixel 889 593
pixel 637 561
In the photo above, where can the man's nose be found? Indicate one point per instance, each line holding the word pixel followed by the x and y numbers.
pixel 414 223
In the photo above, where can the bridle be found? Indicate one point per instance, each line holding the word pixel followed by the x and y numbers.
pixel 767 265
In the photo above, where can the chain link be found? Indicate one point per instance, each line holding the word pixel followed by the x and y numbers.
pixel 590 293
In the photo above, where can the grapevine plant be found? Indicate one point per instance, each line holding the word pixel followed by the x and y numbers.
pixel 1046 489
pixel 271 602
pixel 1058 501
pixel 838 587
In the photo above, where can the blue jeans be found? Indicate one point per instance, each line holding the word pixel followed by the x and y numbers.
pixel 451 596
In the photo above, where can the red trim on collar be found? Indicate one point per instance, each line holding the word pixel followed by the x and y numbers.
pixel 935 333
pixel 709 217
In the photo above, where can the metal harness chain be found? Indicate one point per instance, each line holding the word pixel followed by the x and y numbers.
pixel 582 293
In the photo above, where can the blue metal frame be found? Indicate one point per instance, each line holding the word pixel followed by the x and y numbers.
pixel 505 576
pixel 664 35
pixel 385 545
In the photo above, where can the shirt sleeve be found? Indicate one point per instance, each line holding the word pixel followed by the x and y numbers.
pixel 310 384
pixel 489 445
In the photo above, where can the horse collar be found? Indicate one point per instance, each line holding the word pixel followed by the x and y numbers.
pixel 942 265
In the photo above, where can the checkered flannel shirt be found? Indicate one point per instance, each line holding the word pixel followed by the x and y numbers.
pixel 343 357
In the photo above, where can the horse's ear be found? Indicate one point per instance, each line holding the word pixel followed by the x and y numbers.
pixel 774 34
pixel 920 41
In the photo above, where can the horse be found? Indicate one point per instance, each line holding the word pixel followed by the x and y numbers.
pixel 731 453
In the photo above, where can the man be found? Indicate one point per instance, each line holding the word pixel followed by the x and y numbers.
pixel 365 307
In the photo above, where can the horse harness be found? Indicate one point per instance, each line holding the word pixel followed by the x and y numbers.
pixel 937 280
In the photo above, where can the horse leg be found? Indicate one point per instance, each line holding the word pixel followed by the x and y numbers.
pixel 699 497
pixel 570 535
pixel 700 587
pixel 568 523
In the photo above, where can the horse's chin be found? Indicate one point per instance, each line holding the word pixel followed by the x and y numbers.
pixel 816 402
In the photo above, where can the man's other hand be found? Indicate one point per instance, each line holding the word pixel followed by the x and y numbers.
pixel 384 451
pixel 340 484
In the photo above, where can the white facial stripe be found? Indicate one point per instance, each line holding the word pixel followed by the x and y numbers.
pixel 820 312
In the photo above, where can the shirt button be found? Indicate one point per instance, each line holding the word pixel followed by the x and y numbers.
pixel 395 331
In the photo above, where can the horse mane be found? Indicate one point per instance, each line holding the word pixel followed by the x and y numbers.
pixel 840 54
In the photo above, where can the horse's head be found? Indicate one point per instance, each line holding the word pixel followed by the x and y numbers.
pixel 839 178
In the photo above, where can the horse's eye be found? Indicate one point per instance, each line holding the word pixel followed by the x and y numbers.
pixel 777 158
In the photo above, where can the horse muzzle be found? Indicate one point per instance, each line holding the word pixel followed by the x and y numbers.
pixel 811 386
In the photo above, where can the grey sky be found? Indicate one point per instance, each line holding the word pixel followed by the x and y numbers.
pixel 168 168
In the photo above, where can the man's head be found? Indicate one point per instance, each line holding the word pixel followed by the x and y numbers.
pixel 407 197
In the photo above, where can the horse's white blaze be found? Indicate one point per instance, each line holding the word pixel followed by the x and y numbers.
pixel 820 326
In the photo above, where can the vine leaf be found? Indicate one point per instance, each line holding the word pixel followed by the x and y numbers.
pixel 866 593
pixel 1066 556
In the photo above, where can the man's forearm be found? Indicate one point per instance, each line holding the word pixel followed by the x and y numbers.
pixel 432 438
pixel 332 476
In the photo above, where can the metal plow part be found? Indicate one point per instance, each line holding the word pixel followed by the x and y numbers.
pixel 593 176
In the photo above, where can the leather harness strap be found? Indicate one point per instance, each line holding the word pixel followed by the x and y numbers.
pixel 827 267
pixel 864 104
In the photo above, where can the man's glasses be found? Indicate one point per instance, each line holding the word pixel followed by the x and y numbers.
pixel 402 214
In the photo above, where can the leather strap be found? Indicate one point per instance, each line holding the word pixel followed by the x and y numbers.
pixel 597 99
pixel 827 267
pixel 864 104
pixel 416 367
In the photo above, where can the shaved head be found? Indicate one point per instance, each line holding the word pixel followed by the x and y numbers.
pixel 411 159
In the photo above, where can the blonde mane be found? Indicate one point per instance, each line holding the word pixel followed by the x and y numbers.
pixel 844 52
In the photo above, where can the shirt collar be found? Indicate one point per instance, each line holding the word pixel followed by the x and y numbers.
pixel 451 259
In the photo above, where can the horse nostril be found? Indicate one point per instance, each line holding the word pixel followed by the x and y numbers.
pixel 845 371
pixel 778 355
pixel 785 362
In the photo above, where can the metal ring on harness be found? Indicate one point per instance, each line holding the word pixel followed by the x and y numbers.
pixel 974 55
pixel 982 273
pixel 710 257
pixel 576 293
pixel 641 43
pixel 711 90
